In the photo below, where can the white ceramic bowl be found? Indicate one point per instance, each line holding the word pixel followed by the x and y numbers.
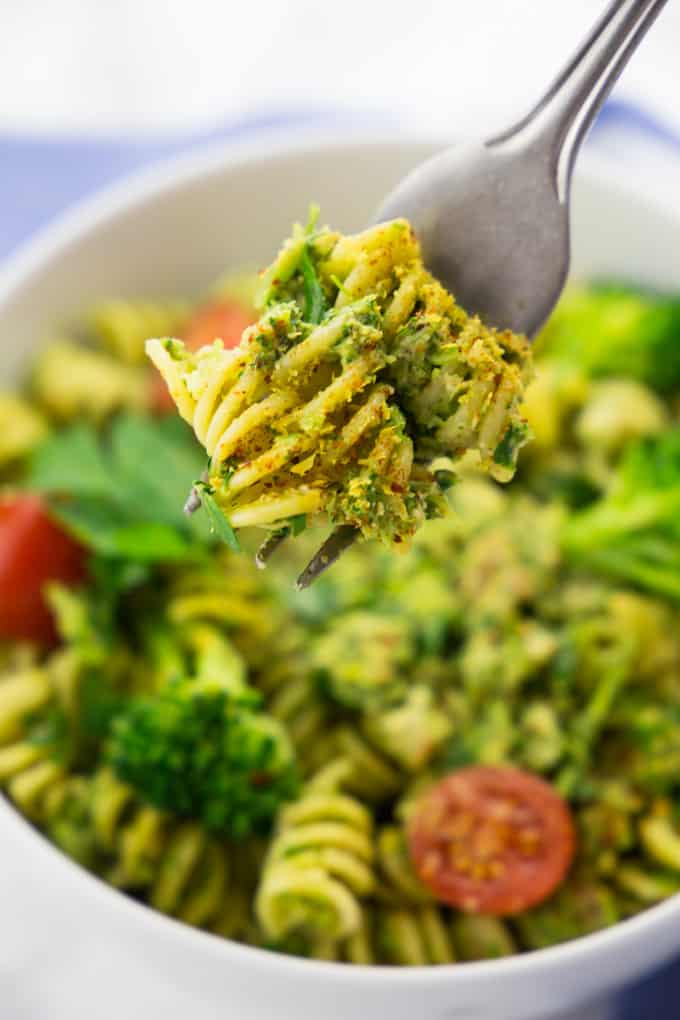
pixel 70 947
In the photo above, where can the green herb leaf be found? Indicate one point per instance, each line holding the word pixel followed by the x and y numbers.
pixel 152 542
pixel 219 523
pixel 159 491
pixel 298 524
pixel 312 218
pixel 314 297
pixel 122 493
pixel 71 461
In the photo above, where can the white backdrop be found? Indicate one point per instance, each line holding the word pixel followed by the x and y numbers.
pixel 158 65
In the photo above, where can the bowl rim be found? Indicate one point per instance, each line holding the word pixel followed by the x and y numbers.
pixel 84 218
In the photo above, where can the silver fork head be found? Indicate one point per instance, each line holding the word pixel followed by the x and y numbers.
pixel 493 216
pixel 492 230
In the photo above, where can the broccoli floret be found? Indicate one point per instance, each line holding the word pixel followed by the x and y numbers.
pixel 201 748
pixel 613 331
pixel 633 532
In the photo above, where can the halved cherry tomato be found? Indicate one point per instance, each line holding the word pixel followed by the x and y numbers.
pixel 33 551
pixel 491 840
pixel 223 320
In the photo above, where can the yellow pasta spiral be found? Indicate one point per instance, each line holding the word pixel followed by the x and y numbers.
pixel 480 937
pixel 307 413
pixel 229 593
pixel 27 772
pixel 372 776
pixel 415 935
pixel 405 936
pixel 182 870
pixel 22 428
pixel 298 706
pixel 123 327
pixel 398 884
pixel 72 381
pixel 319 865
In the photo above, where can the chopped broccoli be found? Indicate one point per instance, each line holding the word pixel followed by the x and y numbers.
pixel 201 748
pixel 633 532
pixel 614 331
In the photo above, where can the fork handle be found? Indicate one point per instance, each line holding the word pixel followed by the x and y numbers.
pixel 560 121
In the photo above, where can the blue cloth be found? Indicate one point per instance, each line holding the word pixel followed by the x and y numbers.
pixel 40 177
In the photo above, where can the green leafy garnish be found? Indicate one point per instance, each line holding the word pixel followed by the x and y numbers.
pixel 312 218
pixel 613 330
pixel 515 437
pixel 633 532
pixel 122 493
pixel 219 524
pixel 315 302
pixel 298 524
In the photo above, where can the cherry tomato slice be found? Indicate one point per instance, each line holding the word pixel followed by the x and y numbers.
pixel 491 840
pixel 224 320
pixel 34 549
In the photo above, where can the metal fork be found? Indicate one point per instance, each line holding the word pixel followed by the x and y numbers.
pixel 492 216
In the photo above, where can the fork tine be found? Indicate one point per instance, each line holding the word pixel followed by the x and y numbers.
pixel 271 543
pixel 193 501
pixel 335 545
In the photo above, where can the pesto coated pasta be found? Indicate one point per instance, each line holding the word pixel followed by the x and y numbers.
pixel 255 761
pixel 360 387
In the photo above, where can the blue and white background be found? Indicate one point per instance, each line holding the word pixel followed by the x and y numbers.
pixel 93 89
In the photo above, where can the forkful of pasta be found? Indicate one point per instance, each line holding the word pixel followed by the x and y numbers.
pixel 355 396
pixel 365 387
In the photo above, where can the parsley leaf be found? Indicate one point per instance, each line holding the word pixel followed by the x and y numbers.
pixel 219 524
pixel 121 493
pixel 315 303
pixel 298 524
pixel 71 461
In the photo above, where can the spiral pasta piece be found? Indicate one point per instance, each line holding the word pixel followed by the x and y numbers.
pixel 360 946
pixel 299 708
pixel 413 937
pixel 372 776
pixel 411 731
pixel 71 381
pixel 229 593
pixel 478 937
pixel 123 327
pixel 191 880
pixel 398 884
pixel 22 428
pixel 361 372
pixel 319 867
pixel 27 772
pixel 183 870
pixel 40 786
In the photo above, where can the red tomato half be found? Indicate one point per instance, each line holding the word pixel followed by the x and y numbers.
pixel 33 550
pixel 223 320
pixel 492 840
